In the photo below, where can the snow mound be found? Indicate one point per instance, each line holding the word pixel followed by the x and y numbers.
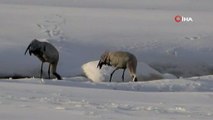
pixel 144 72
pixel 169 76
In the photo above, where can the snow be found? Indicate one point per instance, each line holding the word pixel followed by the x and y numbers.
pixel 178 53
pixel 25 99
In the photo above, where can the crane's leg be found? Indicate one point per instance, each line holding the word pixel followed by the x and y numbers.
pixel 49 71
pixel 53 70
pixel 112 74
pixel 135 79
pixel 123 75
pixel 41 72
pixel 57 76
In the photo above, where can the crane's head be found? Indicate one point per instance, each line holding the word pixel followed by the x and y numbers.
pixel 35 47
pixel 103 60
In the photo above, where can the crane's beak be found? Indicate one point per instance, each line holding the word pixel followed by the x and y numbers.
pixel 99 65
pixel 28 49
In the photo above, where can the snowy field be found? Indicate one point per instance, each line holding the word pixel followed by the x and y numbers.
pixel 179 54
pixel 178 99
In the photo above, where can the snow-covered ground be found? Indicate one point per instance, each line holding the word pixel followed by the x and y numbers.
pixel 76 98
pixel 82 30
